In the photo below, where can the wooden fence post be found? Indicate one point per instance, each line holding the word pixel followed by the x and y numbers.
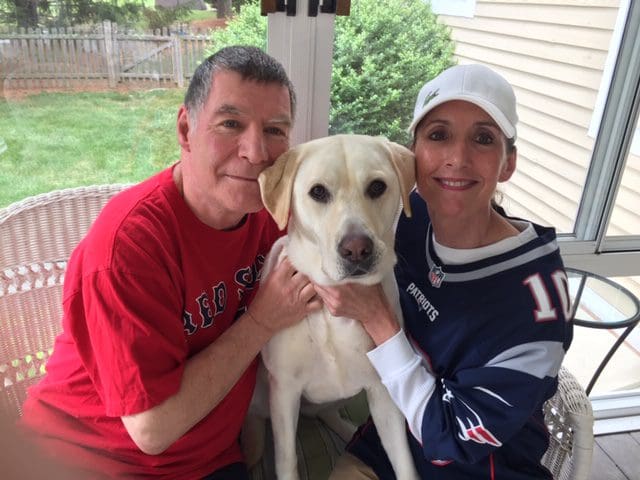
pixel 178 71
pixel 109 53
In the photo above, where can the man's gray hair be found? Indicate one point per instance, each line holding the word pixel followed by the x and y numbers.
pixel 250 62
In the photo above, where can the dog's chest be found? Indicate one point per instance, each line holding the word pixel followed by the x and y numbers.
pixel 341 338
pixel 324 355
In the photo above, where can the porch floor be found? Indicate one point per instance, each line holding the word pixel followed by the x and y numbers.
pixel 616 457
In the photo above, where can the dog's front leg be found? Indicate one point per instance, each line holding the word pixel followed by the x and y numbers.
pixel 390 424
pixel 285 407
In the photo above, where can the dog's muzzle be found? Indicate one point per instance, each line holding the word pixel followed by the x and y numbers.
pixel 356 253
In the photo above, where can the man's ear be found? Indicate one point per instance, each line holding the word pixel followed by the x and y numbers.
pixel 404 163
pixel 182 128
pixel 276 186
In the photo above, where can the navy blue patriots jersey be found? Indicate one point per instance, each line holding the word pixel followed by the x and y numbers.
pixel 493 334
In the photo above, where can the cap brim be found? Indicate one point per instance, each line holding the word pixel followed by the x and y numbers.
pixel 494 112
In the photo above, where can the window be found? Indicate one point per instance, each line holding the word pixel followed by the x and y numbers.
pixel 623 228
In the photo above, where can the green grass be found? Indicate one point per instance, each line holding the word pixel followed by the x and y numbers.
pixel 202 14
pixel 57 140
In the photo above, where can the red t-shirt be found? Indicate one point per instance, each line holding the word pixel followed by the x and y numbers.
pixel 148 287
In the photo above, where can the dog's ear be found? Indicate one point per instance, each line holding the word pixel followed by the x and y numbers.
pixel 276 185
pixel 404 163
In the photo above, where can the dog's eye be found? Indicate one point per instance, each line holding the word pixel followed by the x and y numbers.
pixel 376 188
pixel 319 193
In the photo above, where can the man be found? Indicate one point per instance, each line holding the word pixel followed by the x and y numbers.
pixel 155 368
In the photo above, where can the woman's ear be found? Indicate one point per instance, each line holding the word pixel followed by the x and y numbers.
pixel 509 165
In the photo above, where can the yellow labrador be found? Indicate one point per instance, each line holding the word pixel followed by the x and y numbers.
pixel 341 197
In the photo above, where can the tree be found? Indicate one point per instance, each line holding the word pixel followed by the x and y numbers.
pixel 65 13
pixel 383 53
pixel 24 13
pixel 223 8
pixel 36 13
pixel 226 8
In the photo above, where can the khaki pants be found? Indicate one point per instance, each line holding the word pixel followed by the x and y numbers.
pixel 350 467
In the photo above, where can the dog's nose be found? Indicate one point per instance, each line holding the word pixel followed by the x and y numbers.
pixel 355 248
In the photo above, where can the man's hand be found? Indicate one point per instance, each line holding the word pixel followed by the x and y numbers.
pixel 285 297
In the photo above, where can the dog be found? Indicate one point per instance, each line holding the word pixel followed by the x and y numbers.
pixel 341 197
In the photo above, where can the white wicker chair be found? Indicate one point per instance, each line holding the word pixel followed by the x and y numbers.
pixel 37 235
pixel 569 418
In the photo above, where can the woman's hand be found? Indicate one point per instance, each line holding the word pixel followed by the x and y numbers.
pixel 364 303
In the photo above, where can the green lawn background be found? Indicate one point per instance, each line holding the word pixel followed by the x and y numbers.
pixel 57 140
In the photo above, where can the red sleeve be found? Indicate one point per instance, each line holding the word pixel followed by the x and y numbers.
pixel 129 332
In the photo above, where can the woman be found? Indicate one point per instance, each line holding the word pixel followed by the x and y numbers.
pixel 483 295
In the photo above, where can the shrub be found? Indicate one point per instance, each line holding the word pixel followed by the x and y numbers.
pixel 383 53
pixel 246 28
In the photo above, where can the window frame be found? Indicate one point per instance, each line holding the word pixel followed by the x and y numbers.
pixel 588 247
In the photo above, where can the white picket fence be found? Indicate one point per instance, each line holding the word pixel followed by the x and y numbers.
pixel 68 58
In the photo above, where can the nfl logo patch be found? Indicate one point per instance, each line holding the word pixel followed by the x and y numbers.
pixel 436 276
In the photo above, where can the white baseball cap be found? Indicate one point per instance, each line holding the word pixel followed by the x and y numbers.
pixel 473 83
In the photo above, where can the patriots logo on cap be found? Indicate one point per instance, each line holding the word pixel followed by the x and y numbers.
pixel 436 276
pixel 433 94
